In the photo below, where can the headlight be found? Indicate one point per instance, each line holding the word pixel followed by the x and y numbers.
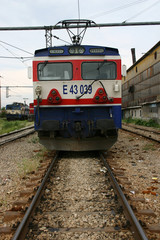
pixel 76 50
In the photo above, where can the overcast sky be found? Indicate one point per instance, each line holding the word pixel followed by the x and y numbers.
pixel 17 13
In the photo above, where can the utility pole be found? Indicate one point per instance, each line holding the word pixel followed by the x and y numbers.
pixel 7 92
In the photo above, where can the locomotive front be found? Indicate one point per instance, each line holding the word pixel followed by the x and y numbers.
pixel 77 97
pixel 17 111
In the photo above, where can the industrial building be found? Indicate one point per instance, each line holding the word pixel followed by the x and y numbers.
pixel 141 87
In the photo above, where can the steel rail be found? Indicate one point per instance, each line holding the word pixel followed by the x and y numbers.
pixel 22 228
pixel 135 225
pixel 92 25
pixel 141 129
pixel 13 138
pixel 140 134
pixel 16 131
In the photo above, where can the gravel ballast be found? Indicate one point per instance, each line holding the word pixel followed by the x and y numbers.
pixel 138 156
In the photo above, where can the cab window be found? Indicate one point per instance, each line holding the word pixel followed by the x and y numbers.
pixel 99 70
pixel 54 71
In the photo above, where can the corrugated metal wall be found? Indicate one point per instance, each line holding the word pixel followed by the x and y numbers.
pixel 144 86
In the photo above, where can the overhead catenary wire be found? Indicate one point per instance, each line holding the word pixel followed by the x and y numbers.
pixel 16 86
pixel 143 11
pixel 16 47
pixel 78 17
pixel 118 8
pixel 15 56
pixel 78 10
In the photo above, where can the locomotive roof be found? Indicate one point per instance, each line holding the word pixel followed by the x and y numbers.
pixel 85 50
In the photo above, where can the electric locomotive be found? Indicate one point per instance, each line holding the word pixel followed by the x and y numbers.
pixel 17 111
pixel 77 97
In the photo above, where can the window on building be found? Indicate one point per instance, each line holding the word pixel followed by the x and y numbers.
pixel 153 108
pixel 155 55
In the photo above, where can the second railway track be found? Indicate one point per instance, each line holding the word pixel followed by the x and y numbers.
pixel 149 133
pixel 9 137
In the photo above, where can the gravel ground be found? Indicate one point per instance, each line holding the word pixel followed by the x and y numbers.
pixel 139 157
pixel 141 160
pixel 13 164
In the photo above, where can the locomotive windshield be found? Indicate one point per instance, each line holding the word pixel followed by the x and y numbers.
pixel 54 71
pixel 101 70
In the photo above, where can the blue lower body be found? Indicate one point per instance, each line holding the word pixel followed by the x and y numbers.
pixel 78 128
pixel 13 116
pixel 71 118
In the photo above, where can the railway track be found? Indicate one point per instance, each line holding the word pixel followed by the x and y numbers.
pixel 148 133
pixel 78 202
pixel 9 137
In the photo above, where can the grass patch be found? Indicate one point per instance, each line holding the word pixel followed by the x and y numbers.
pixel 9 126
pixel 3 202
pixel 149 123
pixel 130 138
pixel 149 146
pixel 34 140
pixel 28 166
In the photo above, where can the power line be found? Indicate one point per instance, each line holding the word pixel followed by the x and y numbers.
pixel 118 8
pixel 16 86
pixel 144 10
pixel 78 10
pixel 16 47
pixel 16 57
pixel 78 16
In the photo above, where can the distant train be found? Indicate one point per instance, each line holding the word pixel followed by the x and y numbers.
pixel 17 111
pixel 77 97
pixel 31 112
